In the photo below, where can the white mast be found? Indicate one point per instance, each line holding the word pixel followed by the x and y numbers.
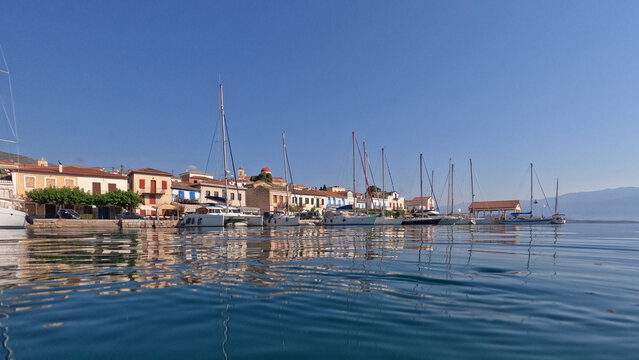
pixel 556 195
pixel 354 196
pixel 383 187
pixel 421 192
pixel 472 189
pixel 531 189
pixel 285 172
pixel 226 172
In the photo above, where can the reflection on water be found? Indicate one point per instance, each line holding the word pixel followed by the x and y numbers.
pixel 379 292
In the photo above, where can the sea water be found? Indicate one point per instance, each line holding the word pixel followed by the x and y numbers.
pixel 422 292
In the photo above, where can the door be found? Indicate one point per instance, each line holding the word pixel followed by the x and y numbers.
pixel 153 189
pixel 49 211
pixel 97 189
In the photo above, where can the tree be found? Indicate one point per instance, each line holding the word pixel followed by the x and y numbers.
pixel 324 188
pixel 76 196
pixel 374 189
pixel 264 176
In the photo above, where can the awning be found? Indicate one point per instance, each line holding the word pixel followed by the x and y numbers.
pixel 166 207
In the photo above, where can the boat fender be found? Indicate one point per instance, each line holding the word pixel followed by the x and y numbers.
pixel 29 219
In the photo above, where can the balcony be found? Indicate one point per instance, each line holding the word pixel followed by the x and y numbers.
pixel 149 191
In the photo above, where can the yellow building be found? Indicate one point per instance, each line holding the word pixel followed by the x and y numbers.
pixel 91 180
pixel 154 186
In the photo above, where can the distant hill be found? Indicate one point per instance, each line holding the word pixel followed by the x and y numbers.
pixel 620 204
pixel 22 159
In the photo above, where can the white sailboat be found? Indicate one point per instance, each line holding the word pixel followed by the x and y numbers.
pixel 10 216
pixel 217 215
pixel 353 217
pixel 422 219
pixel 450 218
pixel 470 220
pixel 283 218
pixel 557 218
pixel 520 218
pixel 382 219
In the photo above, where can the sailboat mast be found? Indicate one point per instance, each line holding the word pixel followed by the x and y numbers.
pixel 531 189
pixel 556 195
pixel 285 173
pixel 383 187
pixel 226 172
pixel 452 188
pixel 472 189
pixel 448 184
pixel 366 178
pixel 354 196
pixel 421 192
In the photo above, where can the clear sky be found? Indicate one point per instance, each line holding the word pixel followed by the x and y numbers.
pixel 105 83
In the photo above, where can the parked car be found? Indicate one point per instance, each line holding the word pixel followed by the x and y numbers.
pixel 131 215
pixel 68 214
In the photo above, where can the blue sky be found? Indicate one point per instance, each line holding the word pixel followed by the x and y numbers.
pixel 507 83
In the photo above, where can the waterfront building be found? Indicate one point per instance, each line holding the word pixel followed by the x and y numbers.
pixel 93 180
pixel 494 210
pixel 154 188
pixel 266 196
pixel 416 204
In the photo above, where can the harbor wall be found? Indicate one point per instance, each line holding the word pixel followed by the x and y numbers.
pixel 100 224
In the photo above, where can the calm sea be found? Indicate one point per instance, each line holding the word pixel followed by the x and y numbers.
pixel 481 292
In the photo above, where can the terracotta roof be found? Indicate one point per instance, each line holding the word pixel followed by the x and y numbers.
pixel 417 201
pixel 266 170
pixel 495 205
pixel 182 185
pixel 318 193
pixel 70 170
pixel 150 171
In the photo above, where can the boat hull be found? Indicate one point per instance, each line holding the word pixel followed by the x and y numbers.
pixel 219 220
pixel 421 221
pixel 527 221
pixel 13 219
pixel 449 220
pixel 282 220
pixel 342 220
pixel 382 220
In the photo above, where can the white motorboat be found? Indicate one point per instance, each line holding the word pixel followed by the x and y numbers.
pixel 14 219
pixel 218 215
pixel 343 218
pixel 280 218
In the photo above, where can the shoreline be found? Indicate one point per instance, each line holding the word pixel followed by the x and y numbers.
pixel 39 224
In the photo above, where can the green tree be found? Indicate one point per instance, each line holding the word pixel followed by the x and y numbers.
pixel 76 196
pixel 324 188
pixel 264 176
pixel 374 189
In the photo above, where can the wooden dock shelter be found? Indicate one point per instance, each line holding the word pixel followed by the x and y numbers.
pixel 496 210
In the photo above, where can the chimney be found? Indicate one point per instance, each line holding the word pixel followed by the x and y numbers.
pixel 59 167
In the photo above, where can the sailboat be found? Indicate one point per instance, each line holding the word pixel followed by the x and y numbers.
pixel 216 214
pixel 281 218
pixel 517 218
pixel 557 218
pixel 382 219
pixel 421 219
pixel 343 217
pixel 450 218
pixel 10 216
pixel 470 220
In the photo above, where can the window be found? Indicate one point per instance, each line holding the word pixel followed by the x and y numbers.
pixel 208 193
pixel 306 201
pixel 164 185
pixel 70 183
pixel 49 182
pixel 312 201
pixel 142 212
pixel 239 197
pixel 141 183
pixel 274 199
pixel 112 187
pixel 97 188
pixel 29 182
pixel 216 194
pixel 322 201
pixel 232 196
